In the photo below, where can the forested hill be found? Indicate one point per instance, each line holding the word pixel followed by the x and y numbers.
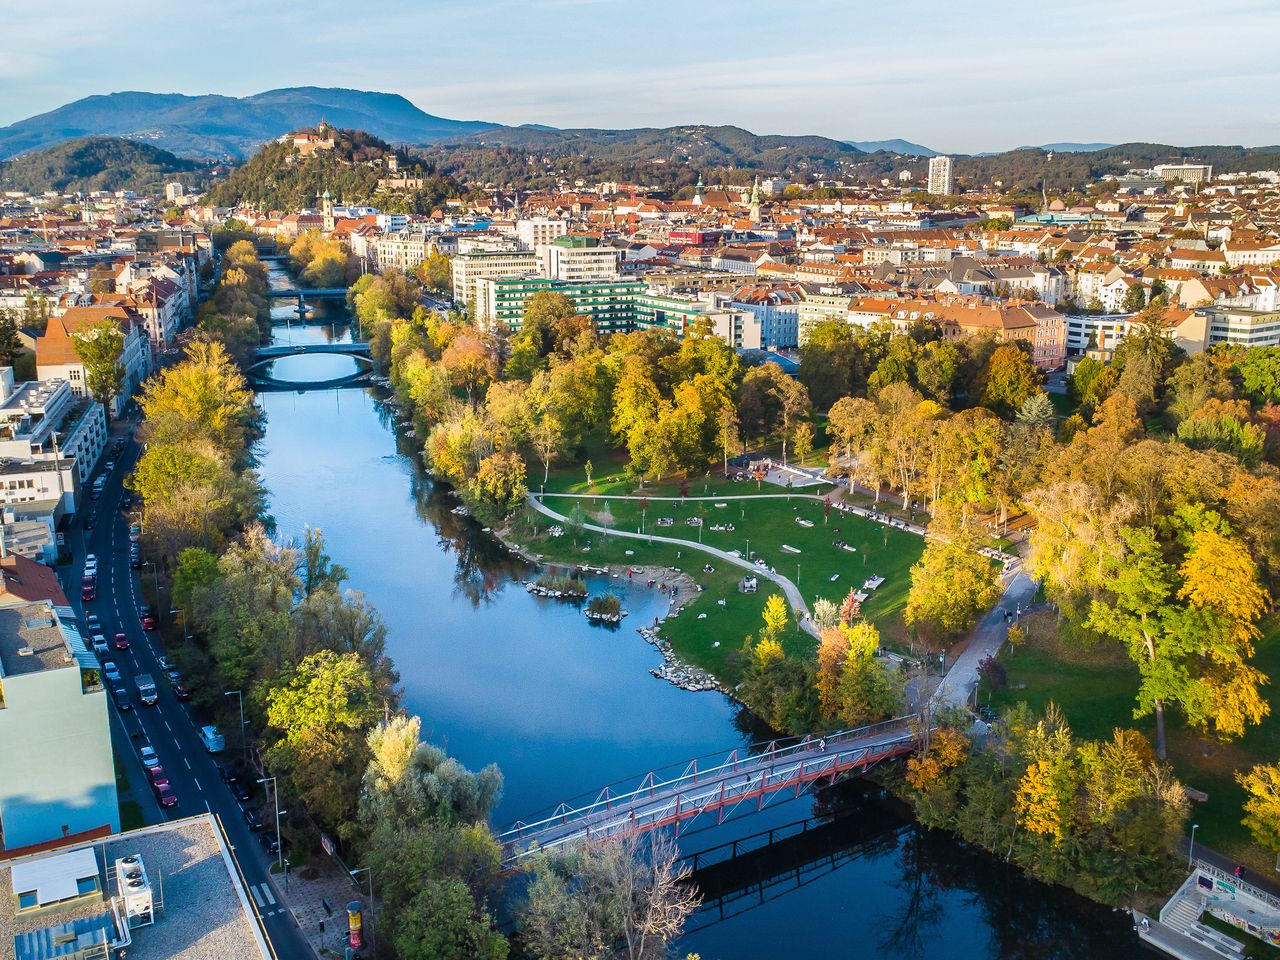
pixel 100 163
pixel 667 156
pixel 278 178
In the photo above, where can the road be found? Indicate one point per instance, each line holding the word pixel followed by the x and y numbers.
pixel 169 726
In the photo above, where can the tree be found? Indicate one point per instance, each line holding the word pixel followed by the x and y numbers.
pixel 1262 804
pixel 730 438
pixel 500 482
pixel 10 345
pixel 1037 411
pixel 775 617
pixel 618 899
pixel 436 273
pixel 952 582
pixel 441 922
pixel 1135 298
pixel 316 568
pixel 100 346
pixel 1260 374
pixel 803 441
pixel 1009 380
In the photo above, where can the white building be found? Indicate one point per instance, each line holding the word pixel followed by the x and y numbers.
pixel 44 421
pixel 1184 172
pixel 56 357
pixel 539 231
pixel 472 265
pixel 400 251
pixel 173 192
pixel 941 176
pixel 578 260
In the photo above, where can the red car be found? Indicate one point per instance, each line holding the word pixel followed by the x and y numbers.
pixel 148 621
pixel 121 642
pixel 181 692
pixel 166 796
pixel 158 777
pixel 88 588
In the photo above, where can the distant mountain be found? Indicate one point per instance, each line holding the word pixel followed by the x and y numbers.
pixel 217 126
pixel 1071 147
pixel 904 147
pixel 99 163
pixel 695 145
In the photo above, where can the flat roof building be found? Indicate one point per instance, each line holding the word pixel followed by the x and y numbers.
pixel 57 773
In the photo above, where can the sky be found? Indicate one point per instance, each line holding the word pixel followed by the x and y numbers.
pixel 955 76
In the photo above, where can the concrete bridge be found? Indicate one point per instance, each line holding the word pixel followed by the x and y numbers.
pixel 709 786
pixel 264 356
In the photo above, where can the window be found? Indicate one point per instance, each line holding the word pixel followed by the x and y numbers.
pixel 86 885
pixel 28 900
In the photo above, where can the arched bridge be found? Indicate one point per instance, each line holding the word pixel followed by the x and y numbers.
pixel 716 785
pixel 264 356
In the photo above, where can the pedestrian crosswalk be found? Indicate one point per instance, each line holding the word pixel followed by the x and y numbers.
pixel 265 899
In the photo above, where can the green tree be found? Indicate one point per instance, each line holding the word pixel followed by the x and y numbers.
pixel 436 273
pixel 1135 298
pixel 1260 374
pixel 1010 380
pixel 100 346
pixel 1262 804
pixel 1037 411
pixel 10 345
pixel 952 583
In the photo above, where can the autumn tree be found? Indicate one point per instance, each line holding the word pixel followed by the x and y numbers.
pixel 952 582
pixel 1009 380
pixel 1262 803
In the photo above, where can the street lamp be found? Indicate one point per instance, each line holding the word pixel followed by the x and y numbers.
pixel 372 906
pixel 155 574
pixel 244 744
pixel 179 612
pixel 275 800
pixel 1191 849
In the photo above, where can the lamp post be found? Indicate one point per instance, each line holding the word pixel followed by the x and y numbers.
pixel 244 744
pixel 1191 849
pixel 179 612
pixel 373 908
pixel 275 800
pixel 155 576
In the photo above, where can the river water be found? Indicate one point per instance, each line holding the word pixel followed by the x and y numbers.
pixel 564 708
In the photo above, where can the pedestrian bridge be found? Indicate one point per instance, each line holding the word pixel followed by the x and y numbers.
pixel 717 785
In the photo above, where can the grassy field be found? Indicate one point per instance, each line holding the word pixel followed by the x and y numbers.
pixel 1095 686
pixel 880 551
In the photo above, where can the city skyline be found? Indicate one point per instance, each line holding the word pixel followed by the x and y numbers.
pixel 933 75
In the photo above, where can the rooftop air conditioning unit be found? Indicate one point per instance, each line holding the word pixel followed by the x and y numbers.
pixel 25 652
pixel 133 887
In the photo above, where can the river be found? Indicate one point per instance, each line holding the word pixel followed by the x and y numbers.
pixel 564 708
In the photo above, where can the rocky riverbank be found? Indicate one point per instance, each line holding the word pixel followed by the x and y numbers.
pixel 674 670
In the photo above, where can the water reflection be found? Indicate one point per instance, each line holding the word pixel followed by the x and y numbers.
pixel 563 708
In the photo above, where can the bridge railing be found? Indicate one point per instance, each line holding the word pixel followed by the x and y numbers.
pixel 767 759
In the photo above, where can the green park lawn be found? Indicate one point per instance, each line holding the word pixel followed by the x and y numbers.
pixel 1095 687
pixel 880 551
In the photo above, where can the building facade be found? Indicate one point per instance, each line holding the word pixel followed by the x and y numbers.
pixel 941 176
pixel 57 772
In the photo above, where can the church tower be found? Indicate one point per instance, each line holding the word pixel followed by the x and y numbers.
pixel 755 201
pixel 326 210
pixel 697 192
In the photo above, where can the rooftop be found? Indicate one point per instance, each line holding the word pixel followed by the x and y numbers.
pixel 201 910
pixel 32 627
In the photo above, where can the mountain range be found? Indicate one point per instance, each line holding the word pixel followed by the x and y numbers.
pixel 904 147
pixel 214 126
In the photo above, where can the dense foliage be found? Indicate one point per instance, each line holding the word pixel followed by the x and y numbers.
pixel 100 163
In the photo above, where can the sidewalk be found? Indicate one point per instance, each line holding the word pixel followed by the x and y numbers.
pixel 305 899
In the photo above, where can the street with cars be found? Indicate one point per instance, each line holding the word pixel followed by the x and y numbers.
pixel 159 741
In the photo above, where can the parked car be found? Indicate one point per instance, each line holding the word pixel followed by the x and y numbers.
pixel 228 772
pixel 88 588
pixel 157 776
pixel 163 662
pixel 240 790
pixel 111 671
pixel 100 646
pixel 108 467
pixel 251 819
pixel 91 520
pixel 147 620
pixel 95 625
pixel 135 531
pixel 121 642
pixel 166 796
pixel 174 677
pixel 135 561
pixel 90 560
pixel 126 501
pixel 269 843
pixel 181 692
pixel 121 696
pixel 147 753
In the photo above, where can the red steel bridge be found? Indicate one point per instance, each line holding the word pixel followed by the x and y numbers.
pixel 718 785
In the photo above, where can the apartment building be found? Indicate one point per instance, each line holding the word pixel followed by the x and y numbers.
pixel 500 302
pixel 539 231
pixel 57 774
pixel 1248 327
pixel 578 260
pixel 404 250
pixel 472 265
pixel 57 359
pixel 44 420
pixel 941 176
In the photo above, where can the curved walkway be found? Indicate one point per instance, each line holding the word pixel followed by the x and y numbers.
pixel 789 589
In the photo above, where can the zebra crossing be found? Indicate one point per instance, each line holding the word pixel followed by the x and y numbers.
pixel 265 899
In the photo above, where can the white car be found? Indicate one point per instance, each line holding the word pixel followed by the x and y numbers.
pixel 111 671
pixel 100 644
pixel 148 756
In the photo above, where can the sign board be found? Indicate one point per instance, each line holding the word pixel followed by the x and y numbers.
pixel 326 843
pixel 60 539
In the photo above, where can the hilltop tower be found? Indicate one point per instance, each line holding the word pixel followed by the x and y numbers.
pixel 326 210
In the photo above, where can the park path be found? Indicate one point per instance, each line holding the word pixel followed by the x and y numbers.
pixel 789 589
pixel 960 680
